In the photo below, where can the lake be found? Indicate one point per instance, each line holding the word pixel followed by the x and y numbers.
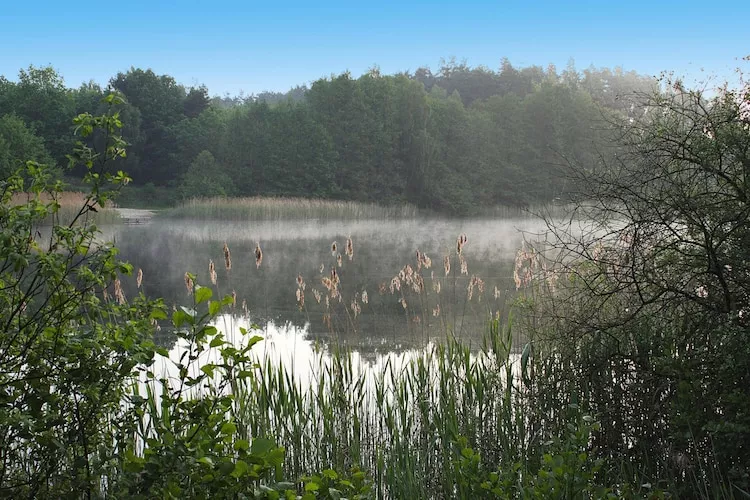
pixel 366 313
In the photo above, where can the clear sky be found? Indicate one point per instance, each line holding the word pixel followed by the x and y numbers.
pixel 233 46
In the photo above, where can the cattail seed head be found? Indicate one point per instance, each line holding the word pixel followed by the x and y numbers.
pixel 227 258
pixel 212 271
pixel 139 278
pixel 189 283
pixel 258 255
pixel 119 294
pixel 349 248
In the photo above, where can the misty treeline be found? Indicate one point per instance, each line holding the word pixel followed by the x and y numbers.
pixel 451 141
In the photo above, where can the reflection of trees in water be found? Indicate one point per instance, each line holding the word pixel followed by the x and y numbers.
pixel 165 252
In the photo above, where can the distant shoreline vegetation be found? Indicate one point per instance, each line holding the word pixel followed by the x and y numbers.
pixel 271 208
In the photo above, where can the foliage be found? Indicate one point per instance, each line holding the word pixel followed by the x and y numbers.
pixel 457 141
pixel 64 350
pixel 18 145
pixel 205 178
pixel 654 301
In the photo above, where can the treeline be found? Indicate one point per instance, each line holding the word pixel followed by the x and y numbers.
pixel 450 141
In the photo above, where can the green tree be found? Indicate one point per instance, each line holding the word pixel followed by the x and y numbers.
pixel 18 144
pixel 652 316
pixel 205 178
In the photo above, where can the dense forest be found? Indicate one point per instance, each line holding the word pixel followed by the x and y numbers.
pixel 452 141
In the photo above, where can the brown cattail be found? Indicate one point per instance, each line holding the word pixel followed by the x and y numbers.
pixel 258 255
pixel 300 282
pixel 227 258
pixel 119 294
pixel 447 264
pixel 338 260
pixel 334 247
pixel 317 295
pixel 349 248
pixel 139 278
pixel 356 308
pixel 464 265
pixel 460 242
pixel 189 283
pixel 300 298
pixel 212 271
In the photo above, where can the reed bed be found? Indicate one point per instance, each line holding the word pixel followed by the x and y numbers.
pixel 70 203
pixel 401 421
pixel 271 208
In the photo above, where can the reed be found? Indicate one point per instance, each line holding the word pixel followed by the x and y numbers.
pixel 69 207
pixel 269 208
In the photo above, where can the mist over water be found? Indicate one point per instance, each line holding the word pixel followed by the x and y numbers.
pixel 166 249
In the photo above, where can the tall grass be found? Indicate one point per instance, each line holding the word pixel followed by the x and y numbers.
pixel 69 206
pixel 267 208
pixel 400 420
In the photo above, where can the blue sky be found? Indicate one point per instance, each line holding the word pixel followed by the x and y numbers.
pixel 252 46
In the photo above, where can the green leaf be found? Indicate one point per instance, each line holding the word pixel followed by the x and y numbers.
pixel 241 445
pixel 228 428
pixel 202 294
pixel 240 469
pixel 214 307
pixel 261 446
pixel 206 461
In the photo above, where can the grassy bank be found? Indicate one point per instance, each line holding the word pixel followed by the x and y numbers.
pixel 70 203
pixel 266 208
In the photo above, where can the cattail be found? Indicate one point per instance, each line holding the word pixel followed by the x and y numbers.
pixel 419 260
pixel 227 257
pixel 139 278
pixel 300 282
pixel 436 286
pixel 447 264
pixel 365 298
pixel 356 308
pixel 119 294
pixel 460 242
pixel 436 311
pixel 496 293
pixel 189 283
pixel 349 248
pixel 212 271
pixel 338 259
pixel 426 261
pixel 300 298
pixel 395 285
pixel 464 265
pixel 234 298
pixel 317 295
pixel 258 255
pixel 335 278
pixel 403 302
pixel 334 247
